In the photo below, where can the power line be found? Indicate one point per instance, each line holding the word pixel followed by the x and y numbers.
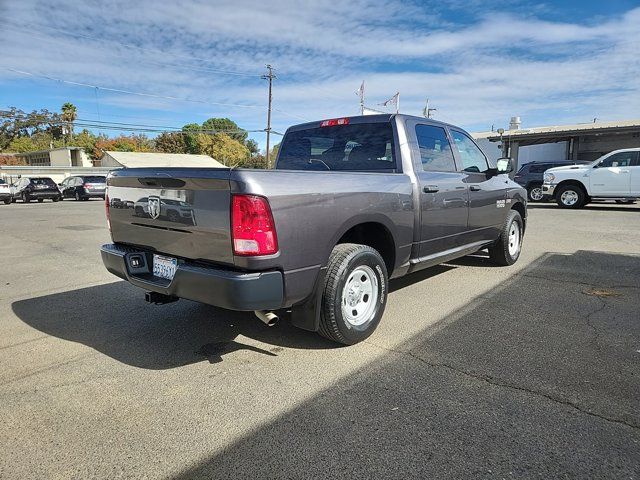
pixel 144 94
pixel 129 92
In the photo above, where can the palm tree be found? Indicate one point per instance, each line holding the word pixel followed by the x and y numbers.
pixel 69 115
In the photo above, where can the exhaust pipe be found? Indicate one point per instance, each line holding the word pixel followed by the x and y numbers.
pixel 268 318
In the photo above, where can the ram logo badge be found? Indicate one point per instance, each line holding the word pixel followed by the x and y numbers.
pixel 154 207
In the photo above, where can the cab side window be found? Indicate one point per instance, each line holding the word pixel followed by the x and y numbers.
pixel 473 160
pixel 622 159
pixel 435 149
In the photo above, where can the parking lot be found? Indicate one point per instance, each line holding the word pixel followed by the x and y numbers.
pixel 475 371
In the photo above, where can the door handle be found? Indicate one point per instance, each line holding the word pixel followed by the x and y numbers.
pixel 430 189
pixel 475 188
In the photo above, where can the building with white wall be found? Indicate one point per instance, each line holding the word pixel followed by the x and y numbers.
pixel 57 157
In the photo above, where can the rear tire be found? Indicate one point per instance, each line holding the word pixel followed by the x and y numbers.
pixel 571 196
pixel 355 294
pixel 55 199
pixel 40 200
pixel 78 197
pixel 534 192
pixel 506 250
pixel 8 201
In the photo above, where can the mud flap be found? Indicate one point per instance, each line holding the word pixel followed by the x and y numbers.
pixel 306 315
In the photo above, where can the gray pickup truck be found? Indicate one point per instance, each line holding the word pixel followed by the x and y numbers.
pixel 352 202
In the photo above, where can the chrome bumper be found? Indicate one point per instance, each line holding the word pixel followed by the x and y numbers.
pixel 548 189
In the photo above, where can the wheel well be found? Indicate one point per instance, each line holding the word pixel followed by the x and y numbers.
pixel 376 236
pixel 519 207
pixel 575 183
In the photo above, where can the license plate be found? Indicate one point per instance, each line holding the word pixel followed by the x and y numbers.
pixel 164 267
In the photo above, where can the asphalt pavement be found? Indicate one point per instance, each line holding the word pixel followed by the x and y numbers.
pixel 530 371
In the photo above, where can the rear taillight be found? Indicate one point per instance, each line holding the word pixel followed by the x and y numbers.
pixel 252 228
pixel 106 207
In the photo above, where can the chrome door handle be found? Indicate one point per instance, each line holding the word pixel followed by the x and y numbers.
pixel 475 188
pixel 430 189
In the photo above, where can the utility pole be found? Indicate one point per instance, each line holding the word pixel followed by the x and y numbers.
pixel 269 76
pixel 427 111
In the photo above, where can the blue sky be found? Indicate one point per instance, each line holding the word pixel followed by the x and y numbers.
pixel 478 62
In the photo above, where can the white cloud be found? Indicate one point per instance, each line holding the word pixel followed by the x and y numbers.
pixel 476 73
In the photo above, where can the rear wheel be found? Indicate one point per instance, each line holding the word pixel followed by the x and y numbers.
pixel 535 193
pixel 571 196
pixel 78 197
pixel 55 199
pixel 40 200
pixel 355 294
pixel 8 201
pixel 506 250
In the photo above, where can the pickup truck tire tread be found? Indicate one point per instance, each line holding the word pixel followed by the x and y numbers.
pixel 581 200
pixel 344 259
pixel 499 251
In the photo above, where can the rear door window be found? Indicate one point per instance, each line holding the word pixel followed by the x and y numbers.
pixel 351 147
pixel 435 150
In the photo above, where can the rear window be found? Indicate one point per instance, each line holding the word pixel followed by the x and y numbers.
pixel 540 168
pixel 95 179
pixel 359 147
pixel 42 181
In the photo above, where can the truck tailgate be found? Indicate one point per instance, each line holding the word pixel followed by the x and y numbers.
pixel 183 212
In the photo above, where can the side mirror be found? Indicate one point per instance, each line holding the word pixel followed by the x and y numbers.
pixel 504 165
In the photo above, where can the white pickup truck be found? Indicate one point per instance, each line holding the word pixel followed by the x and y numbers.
pixel 614 176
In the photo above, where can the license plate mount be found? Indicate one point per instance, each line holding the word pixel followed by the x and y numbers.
pixel 164 267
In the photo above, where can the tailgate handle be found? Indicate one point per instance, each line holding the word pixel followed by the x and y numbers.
pixel 162 182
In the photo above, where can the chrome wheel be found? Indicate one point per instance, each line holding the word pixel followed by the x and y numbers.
pixel 514 239
pixel 536 194
pixel 569 198
pixel 359 296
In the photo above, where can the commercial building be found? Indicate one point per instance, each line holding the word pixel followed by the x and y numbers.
pixel 57 157
pixel 579 142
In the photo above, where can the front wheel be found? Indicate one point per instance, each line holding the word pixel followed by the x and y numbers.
pixel 571 196
pixel 355 294
pixel 506 250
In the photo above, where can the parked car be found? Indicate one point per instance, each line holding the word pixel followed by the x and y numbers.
pixel 5 192
pixel 530 176
pixel 35 188
pixel 83 187
pixel 614 176
pixel 351 203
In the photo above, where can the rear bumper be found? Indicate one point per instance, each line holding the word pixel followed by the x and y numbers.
pixel 93 194
pixel 228 289
pixel 45 194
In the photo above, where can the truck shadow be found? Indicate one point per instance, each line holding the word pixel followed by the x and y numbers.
pixel 114 320
pixel 536 379
pixel 600 207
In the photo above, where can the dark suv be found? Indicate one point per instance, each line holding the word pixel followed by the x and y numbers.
pixel 36 188
pixel 530 177
pixel 84 188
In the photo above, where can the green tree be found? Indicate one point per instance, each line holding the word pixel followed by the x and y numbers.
pixel 224 149
pixel 69 115
pixel 171 142
pixel 226 126
pixel 191 139
pixel 252 145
